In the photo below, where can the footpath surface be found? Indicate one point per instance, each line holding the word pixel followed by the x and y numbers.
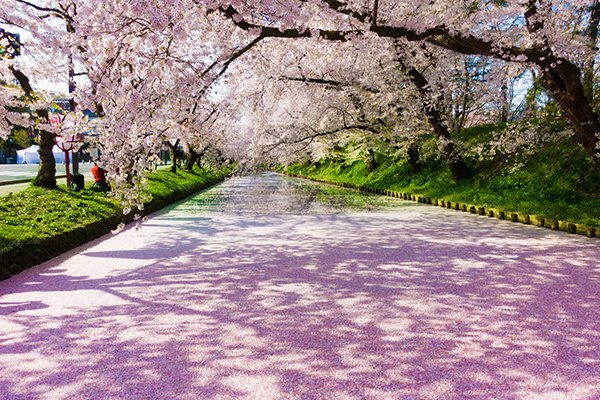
pixel 264 288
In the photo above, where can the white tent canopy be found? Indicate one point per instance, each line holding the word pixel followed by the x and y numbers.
pixel 30 155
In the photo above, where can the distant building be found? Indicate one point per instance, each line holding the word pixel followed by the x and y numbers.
pixel 8 152
pixel 64 104
pixel 14 44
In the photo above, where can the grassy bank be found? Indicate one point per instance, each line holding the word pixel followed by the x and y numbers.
pixel 38 224
pixel 556 182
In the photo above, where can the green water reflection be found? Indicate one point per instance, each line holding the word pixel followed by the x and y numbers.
pixel 271 193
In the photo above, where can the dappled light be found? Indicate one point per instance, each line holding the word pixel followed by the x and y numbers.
pixel 269 288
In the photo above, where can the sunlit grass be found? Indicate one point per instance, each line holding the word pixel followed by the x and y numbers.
pixel 557 182
pixel 37 213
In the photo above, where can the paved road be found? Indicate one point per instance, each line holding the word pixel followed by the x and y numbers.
pixel 270 288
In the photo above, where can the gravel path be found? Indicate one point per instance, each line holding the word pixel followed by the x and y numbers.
pixel 267 288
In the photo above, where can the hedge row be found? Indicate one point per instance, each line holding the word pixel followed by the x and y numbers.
pixel 559 225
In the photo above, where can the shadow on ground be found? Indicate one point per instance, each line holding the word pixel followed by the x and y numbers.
pixel 329 306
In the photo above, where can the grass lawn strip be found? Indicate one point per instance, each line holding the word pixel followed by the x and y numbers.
pixel 556 184
pixel 38 224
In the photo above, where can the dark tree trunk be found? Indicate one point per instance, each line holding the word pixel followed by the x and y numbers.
pixel 194 157
pixel 173 148
pixel 174 161
pixel 46 176
pixel 457 165
pixel 413 157
pixel 370 161
pixel 72 106
pixel 565 85
pixel 505 103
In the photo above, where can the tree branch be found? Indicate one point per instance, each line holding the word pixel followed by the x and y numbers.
pixel 40 8
pixel 329 82
pixel 343 8
pixel 375 12
pixel 268 31
pixel 236 55
pixel 23 82
pixel 312 137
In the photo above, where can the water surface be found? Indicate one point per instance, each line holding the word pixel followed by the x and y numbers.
pixel 271 194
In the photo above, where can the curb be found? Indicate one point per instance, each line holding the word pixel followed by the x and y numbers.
pixel 519 217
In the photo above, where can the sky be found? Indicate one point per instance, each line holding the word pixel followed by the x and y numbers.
pixel 45 85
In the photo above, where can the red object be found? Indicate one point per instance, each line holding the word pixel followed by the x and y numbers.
pixel 55 119
pixel 66 145
pixel 99 174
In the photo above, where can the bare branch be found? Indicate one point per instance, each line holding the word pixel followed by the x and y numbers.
pixel 375 12
pixel 56 11
pixel 268 31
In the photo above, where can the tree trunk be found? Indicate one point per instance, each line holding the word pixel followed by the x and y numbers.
pixel 173 148
pixel 174 161
pixel 413 157
pixel 72 106
pixel 370 161
pixel 457 165
pixel 504 103
pixel 565 85
pixel 194 157
pixel 46 176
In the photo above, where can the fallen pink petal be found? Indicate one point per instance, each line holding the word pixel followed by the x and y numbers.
pixel 406 301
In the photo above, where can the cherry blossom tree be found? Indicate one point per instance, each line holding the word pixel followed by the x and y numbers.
pixel 558 38
pixel 48 58
pixel 157 71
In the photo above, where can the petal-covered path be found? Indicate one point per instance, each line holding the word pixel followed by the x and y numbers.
pixel 265 288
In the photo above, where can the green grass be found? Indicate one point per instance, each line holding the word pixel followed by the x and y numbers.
pixel 37 224
pixel 557 182
pixel 38 212
pixel 163 183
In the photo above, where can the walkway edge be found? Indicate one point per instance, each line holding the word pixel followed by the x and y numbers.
pixel 18 181
pixel 519 217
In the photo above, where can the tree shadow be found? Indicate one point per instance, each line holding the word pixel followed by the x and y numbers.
pixel 364 306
